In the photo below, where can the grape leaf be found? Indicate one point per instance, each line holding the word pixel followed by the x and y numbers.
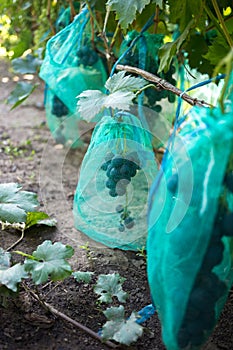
pixel 14 203
pixel 219 48
pixel 126 10
pixel 110 285
pixel 82 276
pixel 119 329
pixel 10 276
pixel 122 82
pixel 26 65
pixel 49 260
pixel 158 3
pixel 90 103
pixel 122 92
pixel 181 12
pixel 20 93
pixel 39 218
pixel 169 50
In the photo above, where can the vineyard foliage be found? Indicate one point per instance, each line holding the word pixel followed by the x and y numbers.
pixel 199 31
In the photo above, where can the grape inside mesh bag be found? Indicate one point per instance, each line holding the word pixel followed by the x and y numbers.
pixel 110 203
pixel 144 54
pixel 62 123
pixel 190 222
pixel 70 66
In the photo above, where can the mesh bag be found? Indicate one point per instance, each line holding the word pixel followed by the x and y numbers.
pixel 190 221
pixel 62 123
pixel 63 20
pixel 71 65
pixel 110 203
pixel 144 54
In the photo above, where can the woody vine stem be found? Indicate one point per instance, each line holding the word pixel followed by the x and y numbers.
pixel 163 84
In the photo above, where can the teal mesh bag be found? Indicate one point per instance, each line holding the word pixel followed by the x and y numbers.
pixel 110 203
pixel 71 65
pixel 141 50
pixel 62 123
pixel 190 218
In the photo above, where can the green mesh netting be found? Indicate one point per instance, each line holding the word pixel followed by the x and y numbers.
pixel 71 65
pixel 110 203
pixel 190 218
pixel 63 20
pixel 62 123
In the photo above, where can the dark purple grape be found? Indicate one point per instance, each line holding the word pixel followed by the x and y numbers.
pixel 192 313
pixel 113 193
pixel 171 97
pixel 213 256
pixel 87 56
pixel 194 327
pixel 227 224
pixel 157 108
pixel 110 184
pixel 172 183
pixel 109 169
pixel 108 157
pixel 200 298
pixel 105 165
pixel 183 338
pixel 121 228
pixel 219 289
pixel 119 208
pixel 197 339
pixel 129 222
pixel 121 190
pixel 125 170
pixel 208 319
pixel 114 173
pixel 117 161
pixel 59 109
pixel 229 181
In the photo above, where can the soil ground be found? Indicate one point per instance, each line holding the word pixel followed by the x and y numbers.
pixel 29 156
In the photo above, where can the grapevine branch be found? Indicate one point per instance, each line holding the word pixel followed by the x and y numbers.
pixel 164 85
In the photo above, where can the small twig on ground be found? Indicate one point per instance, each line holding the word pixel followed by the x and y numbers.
pixel 60 314
pixel 163 84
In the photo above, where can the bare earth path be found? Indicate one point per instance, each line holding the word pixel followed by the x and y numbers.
pixel 30 157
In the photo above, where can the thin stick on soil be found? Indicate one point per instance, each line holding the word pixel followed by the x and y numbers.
pixel 64 317
pixel 17 242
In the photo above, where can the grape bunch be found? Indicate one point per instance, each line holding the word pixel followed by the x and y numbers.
pixel 86 55
pixel 119 171
pixel 200 314
pixel 59 109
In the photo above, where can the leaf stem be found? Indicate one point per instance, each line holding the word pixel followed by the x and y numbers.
pixel 221 20
pixel 163 84
pixel 156 19
pixel 145 88
pixel 25 254
pixel 114 36
pixel 214 20
pixel 18 241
